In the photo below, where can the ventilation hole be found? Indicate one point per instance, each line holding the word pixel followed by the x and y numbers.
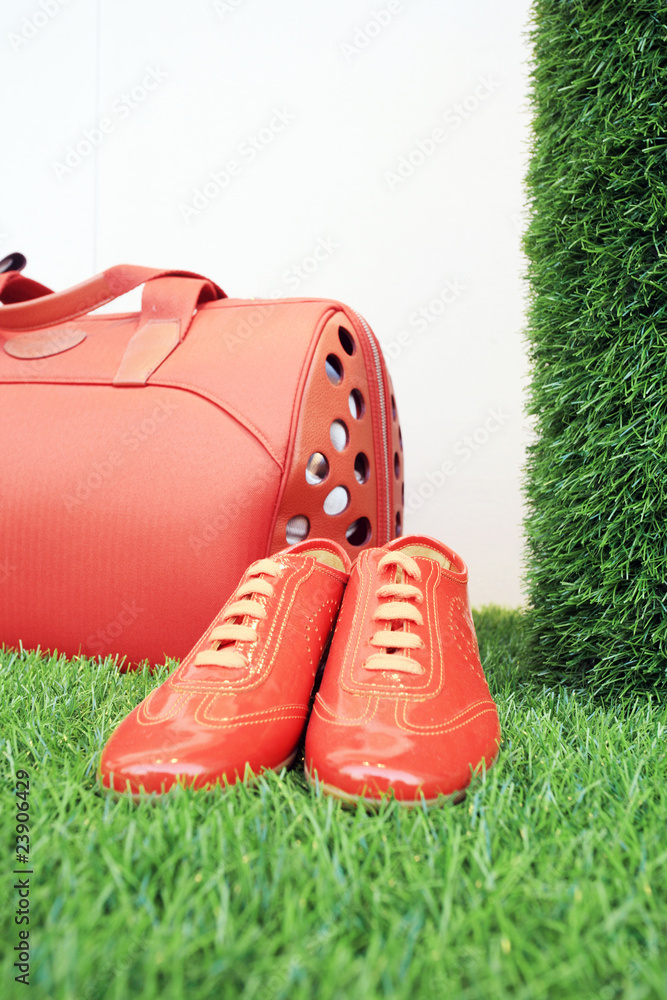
pixel 339 435
pixel 397 465
pixel 359 532
pixel 400 438
pixel 362 468
pixel 297 529
pixel 356 404
pixel 317 469
pixel 393 405
pixel 399 526
pixel 334 369
pixel 346 341
pixel 337 501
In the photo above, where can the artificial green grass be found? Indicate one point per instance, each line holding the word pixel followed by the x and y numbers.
pixel 597 254
pixel 548 882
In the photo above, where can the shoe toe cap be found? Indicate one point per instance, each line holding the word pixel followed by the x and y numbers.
pixel 154 758
pixel 371 764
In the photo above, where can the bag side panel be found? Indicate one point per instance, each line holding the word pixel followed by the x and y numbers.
pixel 127 516
pixel 334 422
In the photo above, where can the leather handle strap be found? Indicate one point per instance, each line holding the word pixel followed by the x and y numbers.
pixel 167 307
pixel 49 308
pixel 15 287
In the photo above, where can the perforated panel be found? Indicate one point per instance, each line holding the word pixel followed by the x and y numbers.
pixel 333 478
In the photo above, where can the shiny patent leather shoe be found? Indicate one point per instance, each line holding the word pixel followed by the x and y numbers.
pixel 239 699
pixel 404 707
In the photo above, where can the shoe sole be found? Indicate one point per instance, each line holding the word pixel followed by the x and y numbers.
pixel 348 798
pixel 249 781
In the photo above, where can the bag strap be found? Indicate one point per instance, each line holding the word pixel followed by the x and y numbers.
pixel 168 296
pixel 14 287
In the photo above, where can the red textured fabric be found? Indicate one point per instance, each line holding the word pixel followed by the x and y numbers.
pixel 140 474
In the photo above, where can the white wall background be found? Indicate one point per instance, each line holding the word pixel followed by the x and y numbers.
pixel 173 91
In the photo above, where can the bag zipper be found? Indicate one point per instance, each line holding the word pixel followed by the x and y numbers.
pixel 383 415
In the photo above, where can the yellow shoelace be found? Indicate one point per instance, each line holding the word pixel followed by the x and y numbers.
pixel 399 613
pixel 223 652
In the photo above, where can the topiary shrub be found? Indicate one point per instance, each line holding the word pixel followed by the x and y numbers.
pixel 597 250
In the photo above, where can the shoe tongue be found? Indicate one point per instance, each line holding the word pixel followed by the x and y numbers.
pixel 392 573
pixel 419 549
pixel 323 550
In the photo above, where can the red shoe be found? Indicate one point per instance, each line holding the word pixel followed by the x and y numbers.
pixel 240 698
pixel 404 704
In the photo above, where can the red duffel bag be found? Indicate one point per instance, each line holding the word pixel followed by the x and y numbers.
pixel 147 459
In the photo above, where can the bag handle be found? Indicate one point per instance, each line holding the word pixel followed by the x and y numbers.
pixel 14 287
pixel 173 297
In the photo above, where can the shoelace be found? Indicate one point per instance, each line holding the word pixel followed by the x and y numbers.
pixel 232 632
pixel 398 612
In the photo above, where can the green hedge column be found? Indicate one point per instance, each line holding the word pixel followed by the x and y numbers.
pixel 597 249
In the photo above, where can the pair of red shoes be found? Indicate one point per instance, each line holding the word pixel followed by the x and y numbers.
pixel 403 706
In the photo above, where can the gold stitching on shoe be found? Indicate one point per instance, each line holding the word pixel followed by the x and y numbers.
pixel 143 711
pixel 469 653
pixel 294 579
pixel 334 718
pixel 447 727
pixel 439 729
pixel 231 630
pixel 204 715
